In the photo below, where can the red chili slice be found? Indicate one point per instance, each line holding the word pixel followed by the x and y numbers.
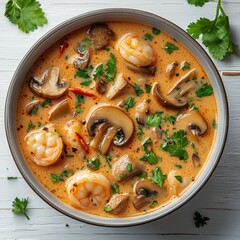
pixel 82 142
pixel 63 46
pixel 81 91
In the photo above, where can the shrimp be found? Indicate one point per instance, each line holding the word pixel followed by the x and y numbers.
pixel 175 184
pixel 136 51
pixel 44 145
pixel 71 129
pixel 88 190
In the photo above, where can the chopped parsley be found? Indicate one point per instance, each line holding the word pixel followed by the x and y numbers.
pixel 55 178
pixel 86 42
pixel 45 102
pixel 148 88
pixel 197 3
pixel 86 83
pixel 82 73
pixel 158 177
pixel 34 111
pixel 154 120
pixel 193 107
pixel 98 71
pixel 94 164
pixel 79 101
pixel 170 48
pixel 179 178
pixel 156 31
pixel 194 148
pixel 214 124
pixel 153 204
pixel 175 145
pixel 148 36
pixel 30 126
pixel 185 66
pixel 138 89
pixel 57 132
pixel 122 176
pixel 115 188
pixel 140 133
pixel 111 70
pixel 143 175
pixel 108 208
pixel 179 166
pixel 20 206
pixel 129 103
pixel 200 221
pixel 170 119
pixel 204 90
pixel 129 167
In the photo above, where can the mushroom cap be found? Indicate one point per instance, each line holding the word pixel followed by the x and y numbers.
pixel 59 109
pixel 118 203
pixel 116 118
pixel 29 107
pixel 49 85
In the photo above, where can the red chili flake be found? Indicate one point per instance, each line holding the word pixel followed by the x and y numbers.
pixel 63 46
pixel 81 91
pixel 82 142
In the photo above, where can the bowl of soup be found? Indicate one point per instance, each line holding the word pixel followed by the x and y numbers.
pixel 116 117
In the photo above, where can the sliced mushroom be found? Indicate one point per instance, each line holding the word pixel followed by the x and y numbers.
pixel 100 35
pixel 141 112
pixel 101 86
pixel 120 86
pixel 145 192
pixel 101 129
pixel 58 110
pixel 120 126
pixel 121 171
pixel 193 122
pixel 148 70
pixel 175 98
pixel 171 68
pixel 49 85
pixel 118 203
pixel 30 106
pixel 80 60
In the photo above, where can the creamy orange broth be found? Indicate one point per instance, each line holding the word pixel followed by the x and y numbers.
pixel 206 105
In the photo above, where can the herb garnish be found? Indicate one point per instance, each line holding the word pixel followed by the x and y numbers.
pixel 111 69
pixel 200 221
pixel 153 204
pixel 108 208
pixel 216 33
pixel 193 107
pixel 154 120
pixel 138 89
pixel 20 206
pixel 45 102
pixel 129 167
pixel 86 83
pixel 179 166
pixel 204 90
pixel 185 66
pixel 170 119
pixel 30 126
pixel 179 178
pixel 156 31
pixel 98 71
pixel 94 164
pixel 175 145
pixel 82 73
pixel 115 188
pixel 55 178
pixel 86 42
pixel 79 101
pixel 170 48
pixel 28 15
pixel 140 133
pixel 129 103
pixel 148 88
pixel 143 175
pixel 148 36
pixel 158 177
pixel 214 124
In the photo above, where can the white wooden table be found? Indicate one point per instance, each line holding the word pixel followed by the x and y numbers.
pixel 220 197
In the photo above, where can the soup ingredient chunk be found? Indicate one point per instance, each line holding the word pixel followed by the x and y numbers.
pixel 119 127
pixel 49 85
pixel 176 181
pixel 137 52
pixel 125 168
pixel 88 190
pixel 118 203
pixel 58 110
pixel 44 145
pixel 101 35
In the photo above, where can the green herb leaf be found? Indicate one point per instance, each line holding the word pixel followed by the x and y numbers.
pixel 129 167
pixel 178 166
pixel 214 124
pixel 150 157
pixel 194 107
pixel 82 73
pixel 158 177
pixel 108 158
pixel 129 103
pixel 30 126
pixel 204 90
pixel 170 119
pixel 200 221
pixel 140 133
pixel 45 102
pixel 79 101
pixel 57 132
pixel 154 120
pixel 194 148
pixel 143 175
pixel 156 31
pixel 185 66
pixel 198 3
pixel 153 204
pixel 170 48
pixel 55 178
pixel 148 88
pixel 86 42
pixel 93 164
pixel 148 36
pixel 111 69
pixel 20 206
pixel 86 83
pixel 115 188
pixel 138 89
pixel 98 71
pixel 146 143
pixel 27 14
pixel 175 145
pixel 108 208
pixel 179 178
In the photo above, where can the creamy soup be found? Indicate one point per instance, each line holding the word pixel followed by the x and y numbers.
pixel 117 119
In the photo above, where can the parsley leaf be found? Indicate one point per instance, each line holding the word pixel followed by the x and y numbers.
pixel 185 65
pixel 108 208
pixel 156 31
pixel 129 103
pixel 179 178
pixel 55 178
pixel 27 14
pixel 20 206
pixel 86 42
pixel 93 164
pixel 216 33
pixel 200 221
pixel 148 88
pixel 170 48
pixel 98 71
pixel 82 73
pixel 204 90
pixel 129 167
pixel 148 36
pixel 140 133
pixel 30 126
pixel 214 124
pixel 45 102
pixel 138 89
pixel 179 166
pixel 115 188
pixel 197 3
pixel 158 177
pixel 154 120
pixel 111 69
pixel 79 101
pixel 143 175
pixel 175 145
pixel 86 83
pixel 170 119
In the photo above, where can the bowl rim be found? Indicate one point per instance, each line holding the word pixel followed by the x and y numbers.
pixel 116 11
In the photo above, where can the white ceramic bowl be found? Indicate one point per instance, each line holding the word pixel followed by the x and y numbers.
pixel 101 16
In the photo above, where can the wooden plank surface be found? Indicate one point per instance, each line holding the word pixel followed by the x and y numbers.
pixel 219 199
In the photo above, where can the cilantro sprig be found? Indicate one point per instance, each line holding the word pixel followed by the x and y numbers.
pixel 26 14
pixel 20 206
pixel 158 177
pixel 216 33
